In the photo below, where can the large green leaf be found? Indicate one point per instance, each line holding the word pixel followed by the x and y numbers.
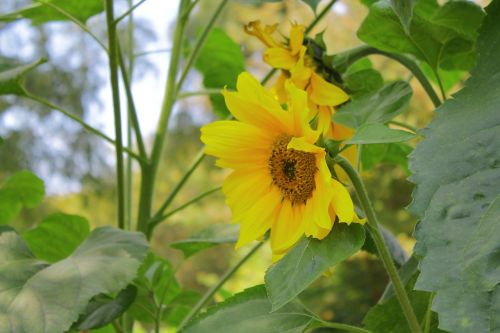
pixel 376 107
pixel 208 237
pixel 387 153
pixel 62 231
pixel 39 12
pixel 250 312
pixel 361 78
pixel 457 172
pixel 41 298
pixel 308 260
pixel 23 189
pixel 11 77
pixel 220 61
pixel 441 36
pixel 404 11
pixel 370 133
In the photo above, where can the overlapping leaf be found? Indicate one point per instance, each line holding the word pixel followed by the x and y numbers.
pixel 41 298
pixel 457 172
pixel 250 312
pixel 11 77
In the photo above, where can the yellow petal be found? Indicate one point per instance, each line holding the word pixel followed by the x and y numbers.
pixel 324 93
pixel 288 228
pixel 325 120
pixel 300 74
pixel 296 38
pixel 279 57
pixel 258 219
pixel 255 28
pixel 279 88
pixel 302 145
pixel 299 112
pixel 342 202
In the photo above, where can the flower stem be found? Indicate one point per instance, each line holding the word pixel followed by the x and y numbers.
pixel 339 326
pixel 320 16
pixel 113 73
pixel 373 226
pixel 211 292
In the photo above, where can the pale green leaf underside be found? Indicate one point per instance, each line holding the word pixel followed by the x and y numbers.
pixel 457 172
pixel 36 297
pixel 373 133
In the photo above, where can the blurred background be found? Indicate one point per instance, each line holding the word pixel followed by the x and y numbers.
pixel 78 168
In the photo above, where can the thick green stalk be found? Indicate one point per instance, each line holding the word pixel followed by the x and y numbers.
pixel 199 43
pixel 211 292
pixel 373 226
pixel 113 73
pixel 149 172
pixel 364 51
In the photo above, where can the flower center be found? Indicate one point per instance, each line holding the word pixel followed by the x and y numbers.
pixel 292 170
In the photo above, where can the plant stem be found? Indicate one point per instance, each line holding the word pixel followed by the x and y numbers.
pixel 373 226
pixel 128 12
pixel 149 172
pixel 339 326
pixel 211 292
pixel 199 43
pixel 152 224
pixel 364 51
pixel 216 91
pixel 113 73
pixel 140 54
pixel 86 126
pixel 158 219
pixel 320 16
pixel 74 20
pixel 428 314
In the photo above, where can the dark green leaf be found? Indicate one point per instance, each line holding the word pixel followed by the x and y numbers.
pixel 102 310
pixel 387 317
pixel 40 13
pixel 206 238
pixel 449 79
pixel 457 172
pixel 364 81
pixel 42 298
pixel 441 36
pixel 180 306
pixel 1 140
pixel 220 61
pixel 375 107
pixel 308 260
pixel 23 189
pixel 250 312
pixel 11 78
pixel 370 133
pixel 404 11
pixel 57 236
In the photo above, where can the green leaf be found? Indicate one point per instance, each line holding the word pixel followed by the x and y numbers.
pixel 308 260
pixel 362 81
pixel 180 306
pixel 387 317
pixel 23 189
pixel 220 61
pixel 1 140
pixel 397 252
pixel 378 133
pixel 457 172
pixel 211 236
pixel 386 153
pixel 441 36
pixel 39 12
pixel 156 285
pixel 449 79
pixel 42 298
pixel 375 107
pixel 103 309
pixel 250 312
pixel 312 3
pixel 62 231
pixel 404 11
pixel 11 78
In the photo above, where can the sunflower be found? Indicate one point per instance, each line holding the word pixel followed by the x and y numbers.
pixel 279 179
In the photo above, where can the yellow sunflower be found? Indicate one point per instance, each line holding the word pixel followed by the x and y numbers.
pixel 299 68
pixel 279 180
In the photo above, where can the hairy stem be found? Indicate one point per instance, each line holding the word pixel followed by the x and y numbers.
pixel 384 254
pixel 211 292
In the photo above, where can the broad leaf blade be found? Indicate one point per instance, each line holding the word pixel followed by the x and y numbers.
pixel 308 260
pixel 375 107
pixel 371 133
pixel 11 78
pixel 250 312
pixel 23 189
pixel 457 172
pixel 404 11
pixel 40 13
pixel 207 238
pixel 220 61
pixel 62 231
pixel 45 298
